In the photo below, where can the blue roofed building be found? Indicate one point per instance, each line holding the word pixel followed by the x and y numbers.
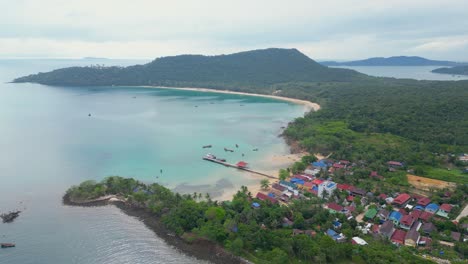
pixel 255 205
pixel 432 208
pixel 320 164
pixel 289 185
pixel 335 236
pixel 395 217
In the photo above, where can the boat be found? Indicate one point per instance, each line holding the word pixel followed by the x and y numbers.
pixel 230 150
pixel 7 245
pixel 209 156
pixel 207 146
pixel 222 160
pixel 255 149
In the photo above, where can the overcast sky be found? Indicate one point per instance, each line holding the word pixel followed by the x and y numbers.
pixel 348 29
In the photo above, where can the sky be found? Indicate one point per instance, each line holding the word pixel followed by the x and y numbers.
pixel 323 30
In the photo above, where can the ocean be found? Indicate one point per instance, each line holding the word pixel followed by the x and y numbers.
pixel 55 137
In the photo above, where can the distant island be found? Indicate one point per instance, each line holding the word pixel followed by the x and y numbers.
pixel 393 61
pixel 457 70
pixel 257 68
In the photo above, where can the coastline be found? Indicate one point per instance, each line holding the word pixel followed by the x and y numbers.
pixel 307 104
pixel 201 249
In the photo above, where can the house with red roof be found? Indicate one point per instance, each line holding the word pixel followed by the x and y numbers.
pixel 382 196
pixel 343 187
pixel 407 222
pixel 264 197
pixel 393 163
pixel 402 199
pixel 426 216
pixel 317 181
pixel 334 208
pixel 374 174
pixel 350 198
pixel 345 162
pixel 444 210
pixel 415 214
pixel 424 201
pixel 398 237
pixel 338 166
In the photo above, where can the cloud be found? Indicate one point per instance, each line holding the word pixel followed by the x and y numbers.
pixel 149 28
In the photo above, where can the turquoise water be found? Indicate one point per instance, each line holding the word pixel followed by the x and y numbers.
pixel 48 142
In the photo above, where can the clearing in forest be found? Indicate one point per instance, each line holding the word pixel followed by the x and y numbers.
pixel 426 184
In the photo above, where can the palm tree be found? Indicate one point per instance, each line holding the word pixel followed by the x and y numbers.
pixel 264 184
pixel 195 195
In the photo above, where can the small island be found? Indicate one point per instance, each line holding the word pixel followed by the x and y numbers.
pixel 457 70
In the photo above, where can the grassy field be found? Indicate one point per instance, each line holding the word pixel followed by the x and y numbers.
pixel 454 175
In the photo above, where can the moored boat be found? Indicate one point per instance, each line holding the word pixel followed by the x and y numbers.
pixel 207 146
pixel 7 245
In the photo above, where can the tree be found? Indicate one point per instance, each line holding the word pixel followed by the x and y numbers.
pixel 308 159
pixel 264 183
pixel 298 167
pixel 283 174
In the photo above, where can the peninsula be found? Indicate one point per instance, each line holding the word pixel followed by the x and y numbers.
pixel 393 61
pixel 457 70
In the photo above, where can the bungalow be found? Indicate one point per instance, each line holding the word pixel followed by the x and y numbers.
pixel 375 229
pixel 264 197
pixel 343 187
pixel 370 214
pixel 334 208
pixel 383 214
pixel 349 209
pixel 317 182
pixel 426 216
pixel 350 198
pixel 356 191
pixel 395 164
pixel 444 210
pixel 424 201
pixel 425 242
pixel 335 236
pixel 416 214
pixel 382 196
pixel 255 205
pixel 278 187
pixel 398 237
pixel 402 199
pixel 297 181
pixel 302 177
pixel 288 185
pixel 412 238
pixel 336 224
pixel 358 241
pixel 387 229
pixel 428 228
pixel 312 172
pixel 338 166
pixel 320 165
pixel 374 174
pixel 395 217
pixel 345 162
pixel 432 208
pixel 407 222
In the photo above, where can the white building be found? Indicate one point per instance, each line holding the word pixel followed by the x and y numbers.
pixel 328 186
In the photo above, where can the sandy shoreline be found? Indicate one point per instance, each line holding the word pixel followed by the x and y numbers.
pixel 309 105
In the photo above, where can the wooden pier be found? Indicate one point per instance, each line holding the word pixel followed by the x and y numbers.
pixel 239 168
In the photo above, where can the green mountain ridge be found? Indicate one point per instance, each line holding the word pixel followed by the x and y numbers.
pixel 257 68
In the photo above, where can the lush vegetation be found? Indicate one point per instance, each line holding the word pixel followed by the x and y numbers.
pixel 362 117
pixel 459 70
pixel 256 234
pixel 252 69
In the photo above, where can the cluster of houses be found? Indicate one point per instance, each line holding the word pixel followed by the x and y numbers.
pixel 409 223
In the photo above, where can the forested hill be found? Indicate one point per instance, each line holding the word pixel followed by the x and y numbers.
pixel 392 61
pixel 458 70
pixel 257 68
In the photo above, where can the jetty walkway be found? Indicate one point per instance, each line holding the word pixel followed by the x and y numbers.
pixel 238 167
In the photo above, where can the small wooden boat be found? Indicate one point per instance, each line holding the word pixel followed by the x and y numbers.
pixel 207 146
pixel 255 149
pixel 7 245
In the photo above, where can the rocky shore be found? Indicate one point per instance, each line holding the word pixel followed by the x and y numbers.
pixel 200 248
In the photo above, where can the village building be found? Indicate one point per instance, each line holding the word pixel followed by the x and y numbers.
pixel 264 197
pixel 432 208
pixel 395 217
pixel 428 228
pixel 326 188
pixel 383 214
pixel 398 237
pixel 426 216
pixel 444 210
pixel 412 238
pixel 370 214
pixel 334 208
pixel 402 199
pixel 358 241
pixel 407 222
pixel 387 229
pixel 423 202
